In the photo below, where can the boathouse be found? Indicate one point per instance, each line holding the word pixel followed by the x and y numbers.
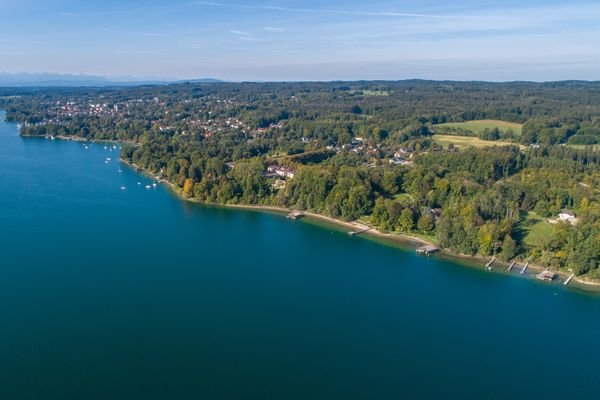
pixel 427 250
pixel 546 276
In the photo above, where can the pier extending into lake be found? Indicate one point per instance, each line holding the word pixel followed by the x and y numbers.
pixel 569 279
pixel 490 263
pixel 296 215
pixel 358 232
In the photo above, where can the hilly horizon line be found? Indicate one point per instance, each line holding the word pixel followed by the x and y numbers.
pixel 24 79
pixel 46 79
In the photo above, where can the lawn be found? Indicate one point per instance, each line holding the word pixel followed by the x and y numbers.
pixel 535 229
pixel 593 147
pixel 465 141
pixel 401 196
pixel 479 126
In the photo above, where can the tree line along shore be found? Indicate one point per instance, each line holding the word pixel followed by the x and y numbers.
pixel 529 192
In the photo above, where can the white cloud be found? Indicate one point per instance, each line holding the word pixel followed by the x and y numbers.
pixel 357 13
pixel 241 33
pixel 322 11
pixel 246 36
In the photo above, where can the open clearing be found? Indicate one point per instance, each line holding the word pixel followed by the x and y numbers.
pixel 370 92
pixel 592 147
pixel 536 229
pixel 466 141
pixel 479 126
pixel 404 197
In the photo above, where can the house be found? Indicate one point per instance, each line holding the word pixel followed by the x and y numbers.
pixel 283 172
pixel 399 161
pixel 567 216
pixel 403 152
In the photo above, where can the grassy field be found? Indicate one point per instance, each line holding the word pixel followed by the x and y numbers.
pixel 404 196
pixel 479 126
pixel 594 147
pixel 370 92
pixel 466 141
pixel 535 229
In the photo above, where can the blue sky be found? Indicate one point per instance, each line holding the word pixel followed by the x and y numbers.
pixel 304 40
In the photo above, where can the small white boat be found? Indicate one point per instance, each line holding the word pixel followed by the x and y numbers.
pixel 148 186
pixel 123 188
pixel 139 183
pixel 154 185
pixel 108 159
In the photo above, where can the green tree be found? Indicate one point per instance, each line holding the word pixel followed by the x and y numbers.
pixel 425 223
pixel 509 249
pixel 406 221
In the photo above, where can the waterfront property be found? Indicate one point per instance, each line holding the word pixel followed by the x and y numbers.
pixel 567 216
pixel 295 215
pixel 283 172
pixel 427 250
pixel 110 294
pixel 546 275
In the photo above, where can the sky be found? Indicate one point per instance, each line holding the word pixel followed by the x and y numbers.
pixel 286 40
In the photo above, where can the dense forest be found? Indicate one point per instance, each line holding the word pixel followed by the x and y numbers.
pixel 364 150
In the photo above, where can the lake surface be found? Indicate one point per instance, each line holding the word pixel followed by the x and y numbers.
pixel 133 294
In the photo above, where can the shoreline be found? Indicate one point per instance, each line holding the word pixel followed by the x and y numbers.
pixel 80 139
pixel 352 225
pixel 397 239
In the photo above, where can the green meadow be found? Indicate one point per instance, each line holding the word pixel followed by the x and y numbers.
pixel 535 229
pixel 479 126
pixel 466 141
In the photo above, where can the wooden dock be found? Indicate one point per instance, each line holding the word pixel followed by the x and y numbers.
pixel 427 250
pixel 296 215
pixel 569 279
pixel 489 264
pixel 353 233
pixel 512 264
pixel 524 268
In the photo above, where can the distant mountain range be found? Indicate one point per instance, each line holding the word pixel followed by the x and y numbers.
pixel 62 80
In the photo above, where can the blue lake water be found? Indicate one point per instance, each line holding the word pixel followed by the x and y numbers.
pixel 133 294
